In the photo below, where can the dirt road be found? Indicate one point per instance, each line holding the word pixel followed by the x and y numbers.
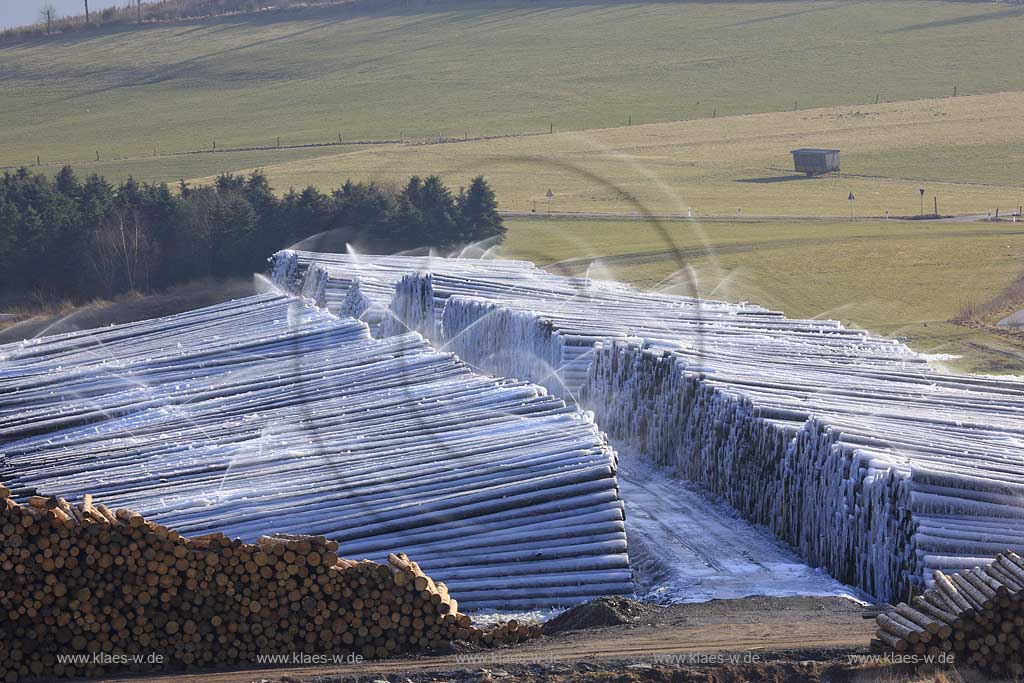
pixel 761 630
pixel 687 548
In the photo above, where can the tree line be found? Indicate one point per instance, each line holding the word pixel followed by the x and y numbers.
pixel 77 239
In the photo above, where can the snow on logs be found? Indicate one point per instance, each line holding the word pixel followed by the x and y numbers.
pixel 848 446
pixel 105 590
pixel 977 615
pixel 268 415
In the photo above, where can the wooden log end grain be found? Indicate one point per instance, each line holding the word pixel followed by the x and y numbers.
pixel 83 579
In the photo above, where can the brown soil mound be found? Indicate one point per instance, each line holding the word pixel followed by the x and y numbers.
pixel 613 610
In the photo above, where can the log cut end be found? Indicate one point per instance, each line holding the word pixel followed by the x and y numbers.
pixel 974 618
pixel 203 601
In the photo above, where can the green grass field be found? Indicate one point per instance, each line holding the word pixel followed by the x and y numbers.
pixel 728 166
pixel 717 94
pixel 482 68
pixel 896 278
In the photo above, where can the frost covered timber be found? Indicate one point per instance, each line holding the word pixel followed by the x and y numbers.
pixel 848 446
pixel 362 287
pixel 269 415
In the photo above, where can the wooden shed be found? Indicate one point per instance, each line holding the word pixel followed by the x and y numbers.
pixel 816 161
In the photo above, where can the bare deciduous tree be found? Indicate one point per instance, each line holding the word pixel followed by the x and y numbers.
pixel 123 252
pixel 47 14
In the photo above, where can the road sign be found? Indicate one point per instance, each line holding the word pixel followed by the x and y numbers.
pixel 851 197
pixel 550 194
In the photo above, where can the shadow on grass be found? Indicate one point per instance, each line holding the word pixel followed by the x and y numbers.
pixel 1010 13
pixel 336 10
pixel 775 179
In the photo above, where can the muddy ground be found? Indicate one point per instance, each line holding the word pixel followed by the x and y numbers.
pixel 778 640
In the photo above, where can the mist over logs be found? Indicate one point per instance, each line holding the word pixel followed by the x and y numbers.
pixel 848 446
pixel 269 415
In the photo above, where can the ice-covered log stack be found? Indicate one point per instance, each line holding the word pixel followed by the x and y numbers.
pixel 268 415
pixel 977 614
pixel 90 376
pixel 849 446
pixel 86 590
pixel 362 287
pixel 848 475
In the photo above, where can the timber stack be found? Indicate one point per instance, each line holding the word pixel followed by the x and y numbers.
pixel 86 590
pixel 849 447
pixel 269 415
pixel 976 615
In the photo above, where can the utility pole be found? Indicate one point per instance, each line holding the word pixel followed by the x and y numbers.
pixel 87 11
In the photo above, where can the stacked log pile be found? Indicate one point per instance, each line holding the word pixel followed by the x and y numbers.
pixel 849 447
pixel 86 590
pixel 881 482
pixel 361 287
pixel 976 615
pixel 269 415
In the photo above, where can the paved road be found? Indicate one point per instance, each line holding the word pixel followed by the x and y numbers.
pixel 725 218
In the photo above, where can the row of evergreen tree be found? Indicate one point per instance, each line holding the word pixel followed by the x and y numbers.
pixel 72 238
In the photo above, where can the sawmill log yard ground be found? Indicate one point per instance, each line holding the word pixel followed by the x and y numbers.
pixel 753 639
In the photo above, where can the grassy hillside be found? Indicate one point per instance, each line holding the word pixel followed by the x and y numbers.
pixel 482 68
pixel 900 279
pixel 717 94
pixel 966 151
